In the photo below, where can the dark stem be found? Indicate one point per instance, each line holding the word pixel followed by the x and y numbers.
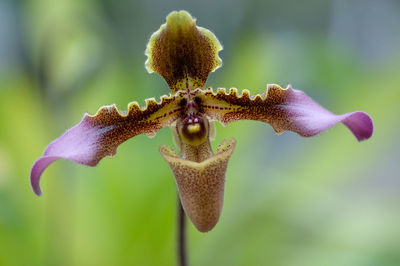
pixel 181 235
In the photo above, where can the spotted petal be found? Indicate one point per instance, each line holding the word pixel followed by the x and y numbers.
pixel 283 109
pixel 183 53
pixel 99 135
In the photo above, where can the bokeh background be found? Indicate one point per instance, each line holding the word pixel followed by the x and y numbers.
pixel 327 200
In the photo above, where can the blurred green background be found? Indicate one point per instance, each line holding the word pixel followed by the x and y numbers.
pixel 327 200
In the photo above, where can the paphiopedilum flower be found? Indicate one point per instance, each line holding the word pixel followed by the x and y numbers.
pixel 185 55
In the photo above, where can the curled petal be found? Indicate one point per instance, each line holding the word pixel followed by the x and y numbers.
pixel 201 185
pixel 183 53
pixel 283 109
pixel 98 136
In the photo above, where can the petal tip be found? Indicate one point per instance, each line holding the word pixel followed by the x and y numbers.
pixel 35 180
pixel 38 192
pixel 361 125
pixel 37 170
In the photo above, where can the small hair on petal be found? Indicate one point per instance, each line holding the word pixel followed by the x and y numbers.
pixel 99 135
pixel 283 109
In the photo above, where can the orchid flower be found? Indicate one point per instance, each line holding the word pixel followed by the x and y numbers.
pixel 184 55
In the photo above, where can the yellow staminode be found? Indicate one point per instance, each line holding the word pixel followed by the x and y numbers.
pixel 193 128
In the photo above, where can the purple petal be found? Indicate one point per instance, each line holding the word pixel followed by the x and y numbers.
pixel 98 136
pixel 283 109
pixel 37 169
pixel 360 124
pixel 309 118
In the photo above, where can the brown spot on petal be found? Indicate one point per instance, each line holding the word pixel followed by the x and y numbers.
pixel 227 107
pixel 111 127
pixel 201 185
pixel 183 53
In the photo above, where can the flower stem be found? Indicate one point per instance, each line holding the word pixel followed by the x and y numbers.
pixel 181 235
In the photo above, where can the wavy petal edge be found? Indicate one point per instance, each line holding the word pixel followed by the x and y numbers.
pixel 284 109
pixel 99 135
